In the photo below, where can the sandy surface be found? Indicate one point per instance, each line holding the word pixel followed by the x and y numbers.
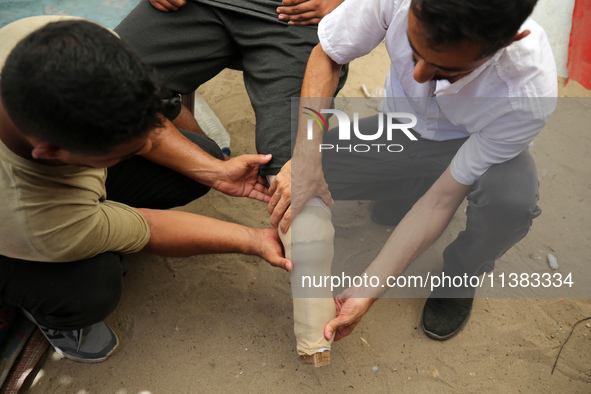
pixel 224 322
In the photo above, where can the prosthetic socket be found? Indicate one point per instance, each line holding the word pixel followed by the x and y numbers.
pixel 309 245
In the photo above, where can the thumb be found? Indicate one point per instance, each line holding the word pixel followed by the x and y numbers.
pixel 332 327
pixel 287 265
pixel 327 198
pixel 263 159
pixel 282 262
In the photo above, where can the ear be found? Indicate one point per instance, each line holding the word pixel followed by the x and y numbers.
pixel 519 36
pixel 44 150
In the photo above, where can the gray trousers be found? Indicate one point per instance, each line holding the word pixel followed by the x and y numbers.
pixel 190 46
pixel 501 204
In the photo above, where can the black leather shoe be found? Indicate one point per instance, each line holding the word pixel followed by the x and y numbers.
pixel 445 317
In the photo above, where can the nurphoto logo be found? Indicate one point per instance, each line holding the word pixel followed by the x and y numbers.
pixel 393 123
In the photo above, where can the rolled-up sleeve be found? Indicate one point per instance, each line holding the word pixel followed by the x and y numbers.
pixel 354 28
pixel 498 142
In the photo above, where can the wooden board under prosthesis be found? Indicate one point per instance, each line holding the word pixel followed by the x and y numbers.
pixel 316 359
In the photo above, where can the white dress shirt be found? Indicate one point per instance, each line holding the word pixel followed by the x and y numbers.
pixel 501 106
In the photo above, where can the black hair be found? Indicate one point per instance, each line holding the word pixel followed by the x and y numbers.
pixel 76 85
pixel 490 23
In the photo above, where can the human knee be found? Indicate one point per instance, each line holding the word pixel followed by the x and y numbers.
pixel 508 199
pixel 91 298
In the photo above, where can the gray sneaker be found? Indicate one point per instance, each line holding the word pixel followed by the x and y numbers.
pixel 92 344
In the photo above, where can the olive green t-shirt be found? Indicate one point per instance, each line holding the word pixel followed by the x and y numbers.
pixel 58 214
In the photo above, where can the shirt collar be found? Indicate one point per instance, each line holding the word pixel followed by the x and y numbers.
pixel 443 87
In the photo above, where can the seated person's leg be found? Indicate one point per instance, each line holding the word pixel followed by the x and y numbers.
pixel 69 301
pixel 271 84
pixel 141 183
pixel 187 48
pixel 273 81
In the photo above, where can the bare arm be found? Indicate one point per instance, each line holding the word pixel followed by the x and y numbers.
pixel 319 85
pixel 237 177
pixel 417 231
pixel 181 234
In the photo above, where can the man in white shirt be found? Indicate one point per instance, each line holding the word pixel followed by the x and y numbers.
pixel 480 79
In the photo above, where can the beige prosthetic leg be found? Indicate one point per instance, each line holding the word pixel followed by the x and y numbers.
pixel 309 245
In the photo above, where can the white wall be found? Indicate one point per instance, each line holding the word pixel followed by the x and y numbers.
pixel 555 16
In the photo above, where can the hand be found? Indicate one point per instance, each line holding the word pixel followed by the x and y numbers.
pixel 350 310
pixel 306 12
pixel 168 5
pixel 269 248
pixel 240 177
pixel 308 182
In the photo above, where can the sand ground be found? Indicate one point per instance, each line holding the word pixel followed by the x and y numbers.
pixel 225 323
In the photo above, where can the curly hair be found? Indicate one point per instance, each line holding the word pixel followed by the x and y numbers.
pixel 76 85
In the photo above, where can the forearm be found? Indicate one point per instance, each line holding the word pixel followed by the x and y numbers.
pixel 318 87
pixel 181 234
pixel 171 149
pixel 418 230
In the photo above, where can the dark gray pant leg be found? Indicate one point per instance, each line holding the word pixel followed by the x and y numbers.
pixel 187 47
pixel 64 296
pixel 274 59
pixel 501 208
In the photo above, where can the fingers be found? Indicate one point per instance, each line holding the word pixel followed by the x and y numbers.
pixel 271 249
pixel 251 160
pixel 280 210
pixel 260 191
pixel 158 6
pixel 258 195
pixel 311 21
pixel 338 327
pixel 305 12
pixel 296 15
pixel 297 8
pixel 286 221
pixel 350 311
pixel 288 3
pixel 280 201
pixel 168 5
pixel 308 18
pixel 262 185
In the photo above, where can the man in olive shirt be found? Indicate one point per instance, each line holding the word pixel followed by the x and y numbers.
pixel 75 101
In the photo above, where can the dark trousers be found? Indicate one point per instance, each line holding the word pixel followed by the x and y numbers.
pixel 190 46
pixel 73 295
pixel 501 204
